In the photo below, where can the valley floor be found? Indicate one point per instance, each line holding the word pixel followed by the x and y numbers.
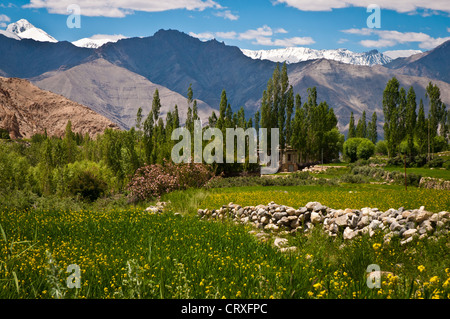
pixel 130 253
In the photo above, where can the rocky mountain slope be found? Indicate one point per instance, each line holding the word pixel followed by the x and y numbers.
pixel 434 64
pixel 26 110
pixel 127 71
pixel 355 88
pixel 115 92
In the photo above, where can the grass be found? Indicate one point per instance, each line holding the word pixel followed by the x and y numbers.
pixel 426 172
pixel 352 196
pixel 128 253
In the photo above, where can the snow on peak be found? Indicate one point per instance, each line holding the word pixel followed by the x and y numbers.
pixel 400 53
pixel 299 54
pixel 20 26
pixel 97 40
pixel 25 30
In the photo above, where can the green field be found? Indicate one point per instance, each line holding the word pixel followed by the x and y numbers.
pixel 426 172
pixel 352 196
pixel 133 254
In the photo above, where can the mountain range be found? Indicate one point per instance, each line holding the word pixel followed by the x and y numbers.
pixel 295 55
pixel 119 76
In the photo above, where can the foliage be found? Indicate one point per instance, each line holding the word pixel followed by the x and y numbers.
pixel 152 181
pixel 87 185
pixel 358 148
pixel 381 148
pixel 365 149
pixel 4 134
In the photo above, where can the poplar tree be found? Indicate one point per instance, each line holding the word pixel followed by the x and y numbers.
pixel 421 131
pixel 411 117
pixel 351 127
pixel 391 97
pixel 372 133
pixel 361 127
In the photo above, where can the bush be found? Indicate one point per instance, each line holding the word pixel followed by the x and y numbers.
pixel 435 163
pixel 440 144
pixel 152 181
pixel 4 134
pixel 446 165
pixel 381 148
pixel 358 148
pixel 365 149
pixel 352 179
pixel 87 185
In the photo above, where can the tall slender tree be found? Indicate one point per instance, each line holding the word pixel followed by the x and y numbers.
pixel 411 117
pixel 372 133
pixel 391 97
pixel 361 127
pixel 421 131
pixel 351 127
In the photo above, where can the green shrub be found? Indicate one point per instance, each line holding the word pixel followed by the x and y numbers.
pixel 435 163
pixel 358 148
pixel 446 165
pixel 365 149
pixel 440 144
pixel 352 179
pixel 4 134
pixel 87 185
pixel 381 148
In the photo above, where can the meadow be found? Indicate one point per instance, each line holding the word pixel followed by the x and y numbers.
pixel 129 253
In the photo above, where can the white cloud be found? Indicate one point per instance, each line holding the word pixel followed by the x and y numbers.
pixel 121 8
pixel 3 20
pixel 226 35
pixel 448 29
pixel 259 36
pixel 227 15
pixel 264 31
pixel 280 30
pixel 287 42
pixel 389 38
pixel 204 36
pixel 401 6
pixel 263 36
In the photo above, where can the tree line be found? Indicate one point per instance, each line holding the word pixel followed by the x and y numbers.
pixel 48 165
pixel 411 133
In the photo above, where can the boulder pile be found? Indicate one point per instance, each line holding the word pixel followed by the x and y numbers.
pixel 349 223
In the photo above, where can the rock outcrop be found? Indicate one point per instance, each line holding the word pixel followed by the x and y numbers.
pixel 26 110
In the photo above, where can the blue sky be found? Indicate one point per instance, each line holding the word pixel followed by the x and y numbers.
pixel 249 24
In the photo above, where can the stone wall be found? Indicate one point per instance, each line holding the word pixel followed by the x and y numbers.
pixel 348 223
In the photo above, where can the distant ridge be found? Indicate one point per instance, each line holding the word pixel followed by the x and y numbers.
pixel 300 54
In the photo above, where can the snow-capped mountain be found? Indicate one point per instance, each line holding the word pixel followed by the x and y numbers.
pixel 25 30
pixel 97 40
pixel 299 54
pixel 400 53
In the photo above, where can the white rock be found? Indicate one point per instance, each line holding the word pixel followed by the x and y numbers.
pixel 315 218
pixel 409 233
pixel 280 242
pixel 349 233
